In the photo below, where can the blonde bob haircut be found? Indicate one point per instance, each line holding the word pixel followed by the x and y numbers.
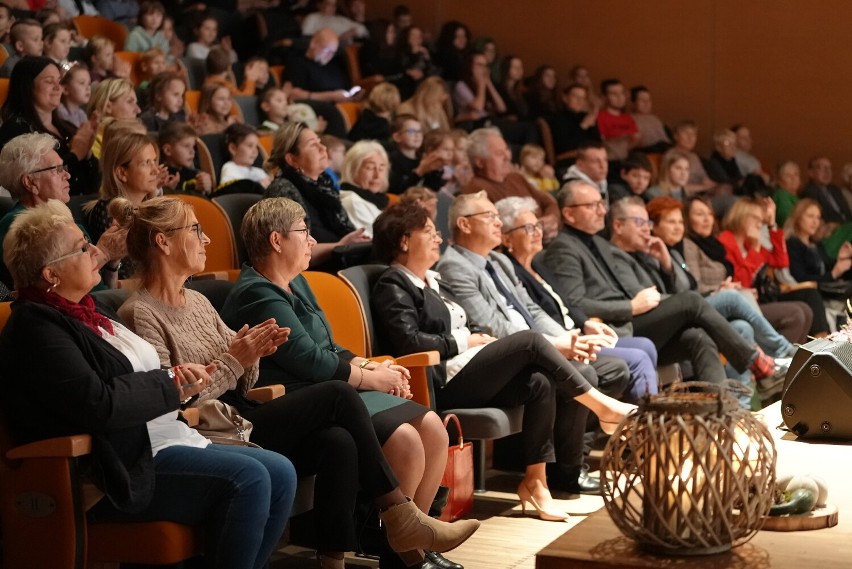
pixel 107 91
pixel 357 155
pixel 33 240
pixel 286 141
pixel 264 217
pixel 737 217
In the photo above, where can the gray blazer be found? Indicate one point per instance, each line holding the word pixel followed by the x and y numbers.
pixel 485 306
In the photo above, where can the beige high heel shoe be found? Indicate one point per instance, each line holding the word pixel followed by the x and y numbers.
pixel 525 496
pixel 410 531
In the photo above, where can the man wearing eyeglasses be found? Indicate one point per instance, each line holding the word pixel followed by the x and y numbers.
pixel 486 286
pixel 491 160
pixel 603 282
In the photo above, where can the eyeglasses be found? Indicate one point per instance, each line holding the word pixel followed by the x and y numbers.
pixel 199 231
pixel 86 248
pixel 598 205
pixel 413 131
pixel 490 216
pixel 58 169
pixel 433 234
pixel 640 222
pixel 529 228
pixel 305 230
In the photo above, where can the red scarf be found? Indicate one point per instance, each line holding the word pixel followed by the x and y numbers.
pixel 84 311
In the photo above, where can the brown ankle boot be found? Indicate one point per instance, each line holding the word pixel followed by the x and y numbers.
pixel 408 529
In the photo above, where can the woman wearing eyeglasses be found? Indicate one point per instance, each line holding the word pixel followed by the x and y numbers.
pixel 33 172
pixel 522 241
pixel 414 312
pixel 89 374
pixel 34 95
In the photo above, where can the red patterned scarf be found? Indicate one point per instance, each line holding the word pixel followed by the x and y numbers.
pixel 84 311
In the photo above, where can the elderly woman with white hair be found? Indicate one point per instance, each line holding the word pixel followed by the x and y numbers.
pixel 33 172
pixel 522 241
pixel 364 184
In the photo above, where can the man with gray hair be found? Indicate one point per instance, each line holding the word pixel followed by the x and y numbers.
pixel 491 160
pixel 486 286
pixel 591 274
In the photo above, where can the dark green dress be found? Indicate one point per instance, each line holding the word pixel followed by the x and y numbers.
pixel 309 355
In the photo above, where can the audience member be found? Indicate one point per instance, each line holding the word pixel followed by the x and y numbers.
pixel 475 97
pixel 486 287
pixel 452 50
pixel 301 159
pixel 686 138
pixel 510 85
pixel 536 171
pixel 76 92
pixel 90 374
pixel 722 166
pixel 825 192
pixel 34 94
pixel 374 122
pixel 746 161
pixel 413 438
pixel 242 144
pixel 122 11
pixel 206 32
pixel 542 93
pixel 214 110
pixel 273 109
pixel 590 276
pixel 177 152
pixel 326 17
pixel 576 123
pixel 636 173
pixel 413 60
pixel 111 99
pixel 492 165
pixel 429 104
pixel 674 176
pixel 424 197
pixel 580 75
pixel 653 136
pixel 406 168
pixel 364 184
pixel 100 55
pixel 7 18
pixel 26 39
pixel 147 34
pixel 788 183
pixel 336 155
pixel 416 313
pixel 618 129
pixel 167 102
pixel 57 43
pixel 591 167
pixel 218 66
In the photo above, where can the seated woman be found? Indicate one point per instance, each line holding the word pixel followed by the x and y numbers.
pixel 511 87
pixel 430 104
pixel 522 241
pixel 301 160
pixel 364 184
pixel 131 170
pixel 476 98
pixel 34 94
pixel 674 176
pixel 414 313
pixel 706 258
pixel 89 374
pixel 112 99
pixel 736 305
pixel 542 93
pixel 809 260
pixel 743 249
pixel 325 429
pixel 279 245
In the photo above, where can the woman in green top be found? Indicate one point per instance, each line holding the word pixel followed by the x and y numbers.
pixel 279 244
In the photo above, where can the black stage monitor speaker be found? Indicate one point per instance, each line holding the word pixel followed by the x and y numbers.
pixel 817 399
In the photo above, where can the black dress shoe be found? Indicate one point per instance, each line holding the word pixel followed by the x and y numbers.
pixel 435 560
pixel 581 484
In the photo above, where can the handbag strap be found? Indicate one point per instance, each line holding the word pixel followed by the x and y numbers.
pixel 458 427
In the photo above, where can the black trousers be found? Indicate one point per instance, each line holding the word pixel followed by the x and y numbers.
pixel 685 327
pixel 325 430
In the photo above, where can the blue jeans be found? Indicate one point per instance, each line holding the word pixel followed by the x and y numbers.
pixel 640 355
pixel 241 495
pixel 732 305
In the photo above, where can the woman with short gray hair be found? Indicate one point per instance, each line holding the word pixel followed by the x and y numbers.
pixel 364 183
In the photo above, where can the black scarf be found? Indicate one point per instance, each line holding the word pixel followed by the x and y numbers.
pixel 379 200
pixel 321 195
pixel 714 249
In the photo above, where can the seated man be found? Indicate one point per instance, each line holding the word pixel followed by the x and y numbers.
pixel 829 196
pixel 317 81
pixel 603 284
pixel 722 165
pixel 485 285
pixel 618 129
pixel 492 167
pixel 591 167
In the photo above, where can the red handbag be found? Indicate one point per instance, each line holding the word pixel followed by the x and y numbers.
pixel 458 476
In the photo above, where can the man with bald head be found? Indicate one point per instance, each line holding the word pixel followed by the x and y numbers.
pixel 317 80
pixel 592 275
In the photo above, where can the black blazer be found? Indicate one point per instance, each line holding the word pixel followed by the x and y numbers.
pixel 61 379
pixel 540 295
pixel 409 319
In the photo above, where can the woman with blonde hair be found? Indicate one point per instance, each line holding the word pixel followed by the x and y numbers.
pixel 112 99
pixel 430 104
pixel 375 120
pixel 674 175
pixel 364 184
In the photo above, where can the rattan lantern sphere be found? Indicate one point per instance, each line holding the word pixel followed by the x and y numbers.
pixel 690 473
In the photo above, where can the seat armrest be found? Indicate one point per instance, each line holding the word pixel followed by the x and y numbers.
pixel 419 359
pixel 76 445
pixel 267 393
pixel 416 364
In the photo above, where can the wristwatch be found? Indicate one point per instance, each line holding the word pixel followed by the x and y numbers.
pixel 113 269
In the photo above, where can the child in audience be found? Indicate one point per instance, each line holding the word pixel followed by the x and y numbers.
pixel 206 32
pixel 374 122
pixel 151 63
pixel 57 43
pixel 25 37
pixel 636 173
pixel 336 155
pixel 76 92
pixel 177 152
pixel 535 170
pixel 214 110
pixel 167 104
pixel 425 197
pixel 242 144
pixel 147 34
pixel 101 59
pixel 462 170
pixel 175 44
pixel 406 168
pixel 218 65
pixel 273 109
pixel 7 18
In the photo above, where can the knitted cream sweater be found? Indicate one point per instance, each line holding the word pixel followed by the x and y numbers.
pixel 193 333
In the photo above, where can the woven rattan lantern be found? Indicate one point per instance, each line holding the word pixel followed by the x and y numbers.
pixel 690 473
